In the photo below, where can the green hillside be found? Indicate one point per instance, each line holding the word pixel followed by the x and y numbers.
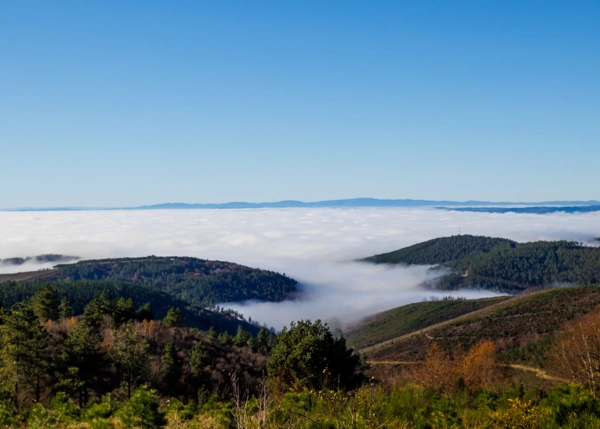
pixel 409 318
pixel 520 326
pixel 500 264
pixel 196 281
pixel 440 250
pixel 81 292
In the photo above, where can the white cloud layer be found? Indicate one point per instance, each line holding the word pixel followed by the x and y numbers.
pixel 315 246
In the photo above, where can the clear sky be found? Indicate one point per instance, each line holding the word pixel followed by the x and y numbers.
pixel 118 103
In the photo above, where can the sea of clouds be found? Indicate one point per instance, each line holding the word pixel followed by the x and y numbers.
pixel 317 247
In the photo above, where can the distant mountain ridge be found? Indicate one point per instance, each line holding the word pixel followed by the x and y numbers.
pixel 528 210
pixel 500 264
pixel 343 203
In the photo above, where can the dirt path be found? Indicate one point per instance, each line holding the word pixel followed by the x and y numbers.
pixel 538 371
pixel 369 349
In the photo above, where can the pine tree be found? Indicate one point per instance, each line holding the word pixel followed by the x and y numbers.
pixel 199 361
pixel 25 359
pixel 241 337
pixel 97 309
pixel 170 363
pixel 129 351
pixel 123 311
pixel 81 360
pixel 64 309
pixel 174 318
pixel 212 334
pixel 45 303
pixel 146 313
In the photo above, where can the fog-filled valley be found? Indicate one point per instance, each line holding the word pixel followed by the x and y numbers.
pixel 317 247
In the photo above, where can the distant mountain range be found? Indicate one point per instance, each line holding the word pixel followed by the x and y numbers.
pixel 530 210
pixel 538 207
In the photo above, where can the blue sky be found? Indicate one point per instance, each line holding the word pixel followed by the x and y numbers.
pixel 119 103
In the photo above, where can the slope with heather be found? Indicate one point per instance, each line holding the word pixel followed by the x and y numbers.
pixel 409 318
pixel 522 327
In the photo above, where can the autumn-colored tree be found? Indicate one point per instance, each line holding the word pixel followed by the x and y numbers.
pixel 576 354
pixel 438 371
pixel 479 368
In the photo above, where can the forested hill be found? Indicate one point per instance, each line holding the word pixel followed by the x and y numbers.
pixel 79 293
pixel 501 264
pixel 440 250
pixel 196 281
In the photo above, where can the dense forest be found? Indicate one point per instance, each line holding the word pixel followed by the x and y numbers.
pixel 500 264
pixel 80 292
pixel 115 367
pixel 196 281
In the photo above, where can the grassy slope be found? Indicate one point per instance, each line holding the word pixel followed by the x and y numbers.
pixel 409 318
pixel 516 324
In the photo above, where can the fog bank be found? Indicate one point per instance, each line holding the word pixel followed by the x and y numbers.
pixel 312 245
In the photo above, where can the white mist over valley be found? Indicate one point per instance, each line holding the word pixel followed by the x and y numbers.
pixel 317 247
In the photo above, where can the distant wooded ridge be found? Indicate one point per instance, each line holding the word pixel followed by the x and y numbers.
pixel 499 264
pixel 344 203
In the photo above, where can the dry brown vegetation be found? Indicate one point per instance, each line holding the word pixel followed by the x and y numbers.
pixel 477 369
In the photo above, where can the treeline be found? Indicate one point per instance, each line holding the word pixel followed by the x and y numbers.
pixel 501 264
pixel 80 292
pixel 196 281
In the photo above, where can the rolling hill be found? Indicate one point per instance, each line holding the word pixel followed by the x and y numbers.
pixel 412 317
pixel 522 327
pixel 196 281
pixel 500 264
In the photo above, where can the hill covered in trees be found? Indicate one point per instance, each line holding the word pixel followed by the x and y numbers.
pixel 195 281
pixel 501 264
pixel 79 293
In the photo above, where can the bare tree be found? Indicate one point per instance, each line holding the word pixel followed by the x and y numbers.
pixel 576 355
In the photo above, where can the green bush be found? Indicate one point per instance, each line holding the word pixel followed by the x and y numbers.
pixel 142 410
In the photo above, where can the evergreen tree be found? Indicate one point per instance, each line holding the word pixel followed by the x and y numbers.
pixel 308 356
pixel 45 303
pixel 174 318
pixel 24 353
pixel 124 311
pixel 142 410
pixel 262 339
pixel 64 309
pixel 199 361
pixel 170 363
pixel 129 351
pixel 241 337
pixel 146 313
pixel 225 338
pixel 212 334
pixel 81 360
pixel 97 309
